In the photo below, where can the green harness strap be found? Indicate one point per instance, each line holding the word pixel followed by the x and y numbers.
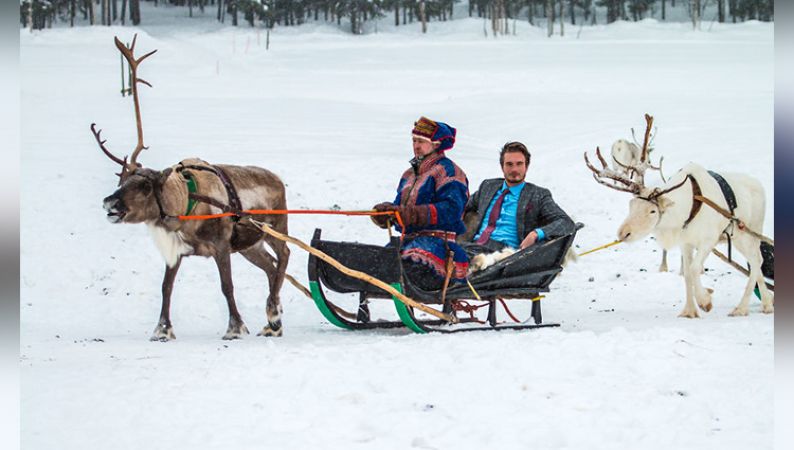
pixel 191 189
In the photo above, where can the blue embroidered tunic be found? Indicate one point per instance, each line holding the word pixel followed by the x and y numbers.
pixel 438 182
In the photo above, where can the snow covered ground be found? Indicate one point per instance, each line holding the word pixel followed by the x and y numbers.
pixel 331 114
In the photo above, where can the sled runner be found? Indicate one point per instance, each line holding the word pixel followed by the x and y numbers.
pixel 523 275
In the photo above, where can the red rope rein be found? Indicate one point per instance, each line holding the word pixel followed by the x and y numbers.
pixel 507 310
pixel 464 306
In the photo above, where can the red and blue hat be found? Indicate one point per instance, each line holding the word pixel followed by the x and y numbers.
pixel 435 132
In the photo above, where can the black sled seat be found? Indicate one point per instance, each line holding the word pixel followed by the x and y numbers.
pixel 524 274
pixel 377 261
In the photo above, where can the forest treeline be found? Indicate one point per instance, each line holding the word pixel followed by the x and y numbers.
pixel 353 14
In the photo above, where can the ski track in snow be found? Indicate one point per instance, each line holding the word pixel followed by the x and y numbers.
pixel 331 114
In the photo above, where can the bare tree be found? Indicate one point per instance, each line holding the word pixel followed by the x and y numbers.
pixel 550 17
pixel 694 6
pixel 571 4
pixel 423 16
pixel 135 12
pixel 562 17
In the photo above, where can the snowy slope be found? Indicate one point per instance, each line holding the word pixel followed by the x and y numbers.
pixel 331 114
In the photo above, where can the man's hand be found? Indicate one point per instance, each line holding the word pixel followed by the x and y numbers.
pixel 531 238
pixel 383 220
pixel 415 216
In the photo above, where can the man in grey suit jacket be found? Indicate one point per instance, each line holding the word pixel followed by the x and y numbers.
pixel 509 212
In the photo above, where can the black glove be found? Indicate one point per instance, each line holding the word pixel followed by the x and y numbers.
pixel 383 220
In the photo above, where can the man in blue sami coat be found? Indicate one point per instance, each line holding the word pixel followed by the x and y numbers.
pixel 509 212
pixel 430 198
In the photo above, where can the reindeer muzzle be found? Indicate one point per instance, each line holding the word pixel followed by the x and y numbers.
pixel 115 208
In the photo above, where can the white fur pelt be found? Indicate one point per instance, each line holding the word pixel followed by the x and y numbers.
pixel 485 260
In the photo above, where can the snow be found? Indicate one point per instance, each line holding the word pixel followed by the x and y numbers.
pixel 331 114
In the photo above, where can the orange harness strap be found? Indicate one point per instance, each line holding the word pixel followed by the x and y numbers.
pixel 253 212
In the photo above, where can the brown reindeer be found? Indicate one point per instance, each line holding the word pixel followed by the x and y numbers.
pixel 194 187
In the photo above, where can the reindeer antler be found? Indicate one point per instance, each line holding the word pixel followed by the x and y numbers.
pixel 600 175
pixel 650 144
pixel 646 140
pixel 633 181
pixel 122 162
pixel 644 163
pixel 656 193
pixel 98 137
pixel 129 55
pixel 647 146
pixel 132 165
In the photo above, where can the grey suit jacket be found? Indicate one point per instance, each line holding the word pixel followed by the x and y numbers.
pixel 536 209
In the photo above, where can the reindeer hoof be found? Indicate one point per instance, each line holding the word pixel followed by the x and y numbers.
pixel 738 312
pixel 163 334
pixel 768 309
pixel 235 332
pixel 705 304
pixel 706 307
pixel 693 314
pixel 704 299
pixel 270 332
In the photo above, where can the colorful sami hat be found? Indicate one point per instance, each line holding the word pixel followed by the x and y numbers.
pixel 436 132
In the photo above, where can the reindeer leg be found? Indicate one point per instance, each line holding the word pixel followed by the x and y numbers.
pixel 663 265
pixel 236 328
pixel 276 281
pixel 749 247
pixel 702 295
pixel 164 331
pixel 689 311
pixel 259 257
pixel 767 297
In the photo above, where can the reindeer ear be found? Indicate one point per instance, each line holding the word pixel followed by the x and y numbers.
pixel 164 175
pixel 665 203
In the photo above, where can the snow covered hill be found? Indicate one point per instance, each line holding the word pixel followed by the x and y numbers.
pixel 331 114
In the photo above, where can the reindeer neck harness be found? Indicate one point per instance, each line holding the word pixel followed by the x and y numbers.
pixel 194 197
pixel 191 191
pixel 698 199
pixel 234 205
pixel 696 203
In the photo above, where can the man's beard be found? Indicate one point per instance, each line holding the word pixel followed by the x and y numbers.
pixel 515 178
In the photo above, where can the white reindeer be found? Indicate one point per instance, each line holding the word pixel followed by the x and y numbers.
pixel 625 155
pixel 626 158
pixel 671 214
